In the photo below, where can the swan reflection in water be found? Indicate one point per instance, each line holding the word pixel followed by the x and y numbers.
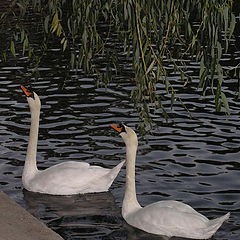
pixel 72 205
pixel 137 234
pixel 84 216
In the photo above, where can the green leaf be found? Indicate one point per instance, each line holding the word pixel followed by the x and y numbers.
pixel 85 38
pixel 232 25
pixel 202 73
pixel 20 5
pixel 3 15
pixel 72 61
pixel 172 99
pixel 225 15
pixel 22 35
pixel 12 48
pixel 25 44
pixel 220 74
pixel 225 102
pixel 65 45
pixel 54 28
pixel 55 23
pixel 59 29
pixel 46 24
pixel 63 40
pixel 219 51
pixel 69 25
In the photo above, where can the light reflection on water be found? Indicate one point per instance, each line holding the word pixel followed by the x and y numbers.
pixel 191 160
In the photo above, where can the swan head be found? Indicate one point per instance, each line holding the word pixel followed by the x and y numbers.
pixel 128 135
pixel 32 98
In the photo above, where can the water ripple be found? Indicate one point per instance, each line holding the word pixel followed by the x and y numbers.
pixel 191 160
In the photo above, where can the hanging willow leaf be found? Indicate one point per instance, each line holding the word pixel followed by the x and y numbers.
pixel 155 36
pixel 72 61
pixel 56 25
pixel 225 15
pixel 225 102
pixel 232 25
pixel 65 45
pixel 202 72
pixel 22 35
pixel 219 51
pixel 12 48
pixel 25 44
pixel 59 29
pixel 46 23
pixel 220 74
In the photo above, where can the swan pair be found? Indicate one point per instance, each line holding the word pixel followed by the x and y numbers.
pixel 168 218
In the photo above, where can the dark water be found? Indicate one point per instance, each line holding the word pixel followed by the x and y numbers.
pixel 195 160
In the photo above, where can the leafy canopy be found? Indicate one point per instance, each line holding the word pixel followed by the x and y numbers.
pixel 147 31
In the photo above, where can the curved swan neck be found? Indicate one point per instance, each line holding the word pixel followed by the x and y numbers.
pixel 130 203
pixel 30 166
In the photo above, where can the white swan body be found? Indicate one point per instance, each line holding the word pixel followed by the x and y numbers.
pixel 168 218
pixel 65 178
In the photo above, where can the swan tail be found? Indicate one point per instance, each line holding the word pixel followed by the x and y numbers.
pixel 215 224
pixel 114 172
pixel 105 181
pixel 117 169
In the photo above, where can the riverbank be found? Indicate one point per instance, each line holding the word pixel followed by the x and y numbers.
pixel 18 224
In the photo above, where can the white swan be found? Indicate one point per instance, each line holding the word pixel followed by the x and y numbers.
pixel 168 218
pixel 65 178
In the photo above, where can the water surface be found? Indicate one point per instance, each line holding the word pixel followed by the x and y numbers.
pixel 193 160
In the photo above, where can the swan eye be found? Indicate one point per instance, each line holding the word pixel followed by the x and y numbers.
pixel 27 92
pixel 122 127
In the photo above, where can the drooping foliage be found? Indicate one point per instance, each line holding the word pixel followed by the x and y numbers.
pixel 148 32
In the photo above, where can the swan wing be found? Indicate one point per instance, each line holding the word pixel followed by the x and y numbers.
pixel 178 206
pixel 170 218
pixel 70 164
pixel 72 178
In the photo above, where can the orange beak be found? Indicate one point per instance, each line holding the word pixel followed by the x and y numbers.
pixel 116 127
pixel 26 91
